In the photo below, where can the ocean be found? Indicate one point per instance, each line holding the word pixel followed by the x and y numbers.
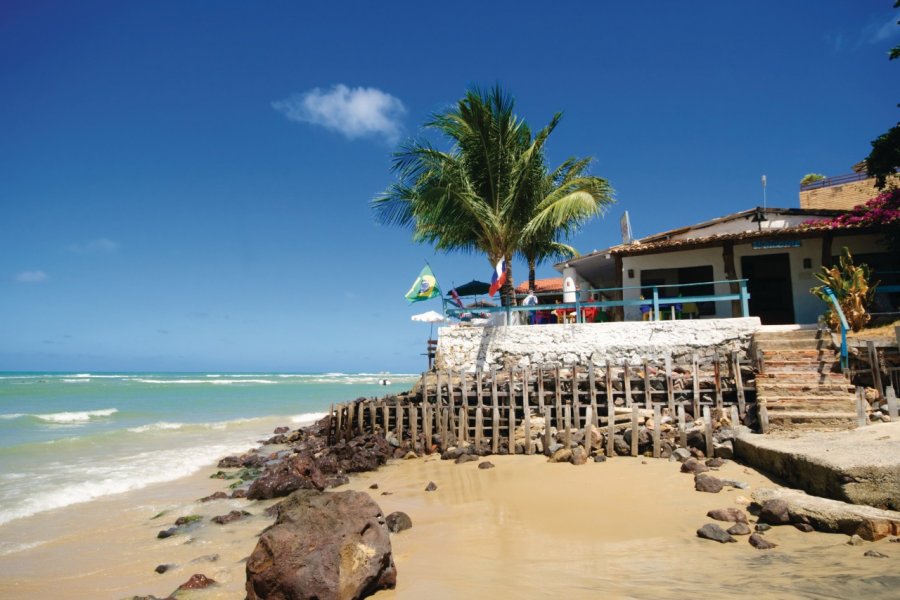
pixel 69 438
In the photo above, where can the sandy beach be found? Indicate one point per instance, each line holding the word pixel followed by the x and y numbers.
pixel 624 528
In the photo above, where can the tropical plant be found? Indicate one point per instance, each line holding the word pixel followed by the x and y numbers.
pixel 851 287
pixel 491 192
pixel 811 178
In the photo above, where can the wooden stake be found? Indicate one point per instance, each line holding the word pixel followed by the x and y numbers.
pixel 670 391
pixel 707 426
pixel 657 425
pixel 682 429
pixel 648 399
pixel 610 395
pixel 426 427
pixel 739 384
pixel 479 427
pixel 696 376
pixel 634 430
pixel 611 424
pixel 414 424
pixel 891 397
pixel 717 376
pixel 462 425
pixel 627 383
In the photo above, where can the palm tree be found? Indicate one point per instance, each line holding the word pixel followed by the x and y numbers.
pixel 551 224
pixel 486 194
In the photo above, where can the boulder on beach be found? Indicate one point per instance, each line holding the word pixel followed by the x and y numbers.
pixel 711 531
pixel 707 483
pixel 692 465
pixel 332 545
pixel 398 521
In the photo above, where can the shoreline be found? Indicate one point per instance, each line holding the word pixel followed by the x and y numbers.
pixel 624 526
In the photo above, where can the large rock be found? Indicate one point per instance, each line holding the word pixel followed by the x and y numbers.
pixel 293 474
pixel 707 483
pixel 692 465
pixel 775 512
pixel 828 515
pixel 322 546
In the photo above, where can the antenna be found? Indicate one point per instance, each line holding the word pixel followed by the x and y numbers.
pixel 764 191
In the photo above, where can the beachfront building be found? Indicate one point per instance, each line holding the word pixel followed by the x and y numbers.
pixel 772 248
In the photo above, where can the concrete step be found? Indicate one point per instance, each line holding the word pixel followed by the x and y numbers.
pixel 775 387
pixel 819 404
pixel 798 354
pixel 796 334
pixel 804 377
pixel 799 366
pixel 779 344
pixel 806 420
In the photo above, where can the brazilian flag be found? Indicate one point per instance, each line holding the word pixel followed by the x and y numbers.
pixel 425 287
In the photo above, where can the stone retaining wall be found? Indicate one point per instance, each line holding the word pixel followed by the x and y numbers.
pixel 467 348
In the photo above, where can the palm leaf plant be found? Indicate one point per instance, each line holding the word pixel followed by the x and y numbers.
pixel 851 287
pixel 490 192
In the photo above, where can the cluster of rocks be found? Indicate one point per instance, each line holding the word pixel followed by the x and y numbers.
pixel 322 545
pixel 782 506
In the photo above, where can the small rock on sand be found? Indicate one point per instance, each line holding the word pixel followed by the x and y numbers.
pixel 711 531
pixel 486 465
pixel 398 521
pixel 734 515
pixel 739 529
pixel 761 543
pixel 431 486
pixel 875 554
pixel 707 483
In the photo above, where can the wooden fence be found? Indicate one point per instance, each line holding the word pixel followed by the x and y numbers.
pixel 487 408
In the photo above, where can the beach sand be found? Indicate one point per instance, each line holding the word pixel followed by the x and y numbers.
pixel 527 529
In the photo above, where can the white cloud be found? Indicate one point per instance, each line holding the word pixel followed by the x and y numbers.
pixel 879 31
pixel 356 112
pixel 98 246
pixel 31 277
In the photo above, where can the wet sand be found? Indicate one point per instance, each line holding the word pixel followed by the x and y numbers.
pixel 528 529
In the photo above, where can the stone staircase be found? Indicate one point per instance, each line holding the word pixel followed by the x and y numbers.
pixel 799 385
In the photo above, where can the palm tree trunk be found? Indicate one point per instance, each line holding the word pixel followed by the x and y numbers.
pixel 531 269
pixel 508 290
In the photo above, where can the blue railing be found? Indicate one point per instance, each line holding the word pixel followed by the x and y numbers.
pixel 656 304
pixel 843 321
pixel 830 181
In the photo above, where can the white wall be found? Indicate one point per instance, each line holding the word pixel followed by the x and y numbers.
pixel 465 348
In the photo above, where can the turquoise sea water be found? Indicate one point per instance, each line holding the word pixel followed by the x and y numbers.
pixel 67 438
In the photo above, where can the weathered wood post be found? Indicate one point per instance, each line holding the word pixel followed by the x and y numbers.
pixel 414 424
pixel 479 427
pixel 707 427
pixel 891 398
pixel 657 425
pixel 696 387
pixel 426 427
pixel 462 425
pixel 634 429
pixel 861 405
pixel 876 368
pixel 526 411
pixel 610 427
pixel 648 398
pixel 739 385
pixel 567 434
pixel 682 429
pixel 627 383
pixel 670 392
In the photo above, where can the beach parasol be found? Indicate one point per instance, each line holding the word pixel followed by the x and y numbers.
pixel 431 317
pixel 473 288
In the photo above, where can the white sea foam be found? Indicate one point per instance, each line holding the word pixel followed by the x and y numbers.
pixel 160 426
pixel 91 480
pixel 13 547
pixel 9 416
pixel 76 417
pixel 80 380
pixel 307 418
pixel 212 381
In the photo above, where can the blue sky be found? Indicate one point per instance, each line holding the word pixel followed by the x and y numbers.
pixel 186 185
